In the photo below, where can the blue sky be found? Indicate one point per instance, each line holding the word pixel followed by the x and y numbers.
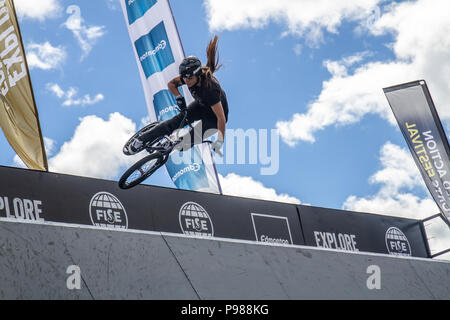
pixel 313 70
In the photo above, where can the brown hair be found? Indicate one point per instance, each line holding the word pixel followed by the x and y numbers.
pixel 212 64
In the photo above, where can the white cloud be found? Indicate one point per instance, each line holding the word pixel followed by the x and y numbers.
pixel 346 99
pixel 298 49
pixel 302 18
pixel 404 205
pixel 86 36
pixel 422 40
pixel 399 175
pixel 95 149
pixel 18 162
pixel 49 146
pixel 56 89
pixel 71 96
pixel 398 178
pixel 44 56
pixel 422 36
pixel 235 185
pixel 113 4
pixel 39 10
pixel 438 235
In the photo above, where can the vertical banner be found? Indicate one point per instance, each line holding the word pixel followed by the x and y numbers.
pixel 159 52
pixel 18 114
pixel 420 124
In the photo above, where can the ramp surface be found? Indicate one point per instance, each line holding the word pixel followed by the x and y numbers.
pixel 34 262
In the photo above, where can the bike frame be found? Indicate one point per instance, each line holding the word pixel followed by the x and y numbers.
pixel 157 150
pixel 164 149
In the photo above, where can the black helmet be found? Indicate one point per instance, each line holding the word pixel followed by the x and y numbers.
pixel 190 66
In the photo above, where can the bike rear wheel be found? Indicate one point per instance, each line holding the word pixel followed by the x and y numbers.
pixel 141 170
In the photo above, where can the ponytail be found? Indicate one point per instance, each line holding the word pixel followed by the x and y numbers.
pixel 212 55
pixel 212 64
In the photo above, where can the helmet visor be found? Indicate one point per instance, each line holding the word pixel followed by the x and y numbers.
pixel 189 73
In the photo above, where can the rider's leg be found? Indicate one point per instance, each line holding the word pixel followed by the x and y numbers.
pixel 162 129
pixel 203 129
pixel 169 126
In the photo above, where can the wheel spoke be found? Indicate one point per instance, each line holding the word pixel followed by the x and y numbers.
pixel 141 171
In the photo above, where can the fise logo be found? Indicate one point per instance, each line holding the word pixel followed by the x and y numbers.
pixel 195 221
pixel 107 211
pixel 397 243
pixel 154 51
pixel 137 8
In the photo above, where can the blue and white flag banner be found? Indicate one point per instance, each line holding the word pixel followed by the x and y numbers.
pixel 159 52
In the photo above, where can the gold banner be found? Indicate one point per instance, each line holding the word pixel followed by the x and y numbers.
pixel 18 114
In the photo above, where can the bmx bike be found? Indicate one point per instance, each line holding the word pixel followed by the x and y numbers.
pixel 159 151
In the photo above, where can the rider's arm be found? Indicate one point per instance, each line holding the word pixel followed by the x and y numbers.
pixel 221 120
pixel 174 84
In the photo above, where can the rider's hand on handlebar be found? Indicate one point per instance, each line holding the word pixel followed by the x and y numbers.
pixel 181 102
pixel 217 147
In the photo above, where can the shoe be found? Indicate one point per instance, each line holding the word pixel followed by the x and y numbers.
pixel 135 146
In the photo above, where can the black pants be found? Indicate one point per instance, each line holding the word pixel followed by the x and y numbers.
pixel 195 112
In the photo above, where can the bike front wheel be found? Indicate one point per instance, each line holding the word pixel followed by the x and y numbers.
pixel 147 128
pixel 141 170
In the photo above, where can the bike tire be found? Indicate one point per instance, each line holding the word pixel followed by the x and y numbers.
pixel 141 170
pixel 138 134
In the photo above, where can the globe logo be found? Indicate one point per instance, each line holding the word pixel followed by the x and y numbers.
pixel 107 211
pixel 195 221
pixel 397 243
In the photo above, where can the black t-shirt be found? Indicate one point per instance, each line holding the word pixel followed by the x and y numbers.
pixel 209 95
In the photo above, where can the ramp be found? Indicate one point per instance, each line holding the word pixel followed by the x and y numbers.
pixel 35 261
pixel 69 237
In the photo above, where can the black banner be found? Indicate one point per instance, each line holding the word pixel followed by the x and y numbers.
pixel 354 231
pixel 419 122
pixel 205 214
pixel 49 197
pixel 27 195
